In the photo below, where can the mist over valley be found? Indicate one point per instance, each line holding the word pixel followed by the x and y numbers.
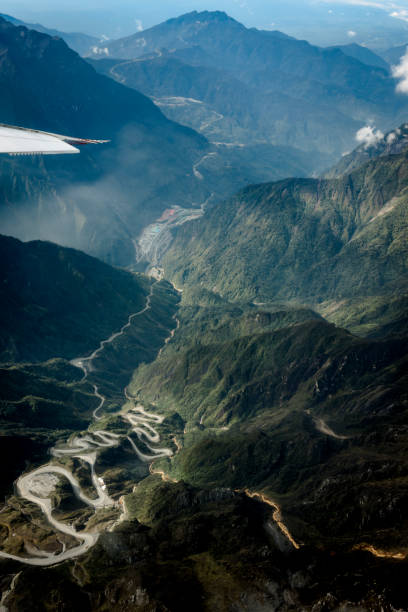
pixel 204 311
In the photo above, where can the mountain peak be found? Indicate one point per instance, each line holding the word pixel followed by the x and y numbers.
pixel 204 18
pixel 205 15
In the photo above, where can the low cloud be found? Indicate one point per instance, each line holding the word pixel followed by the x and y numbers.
pixel 369 136
pixel 400 14
pixel 401 72
pixel 351 33
pixel 139 25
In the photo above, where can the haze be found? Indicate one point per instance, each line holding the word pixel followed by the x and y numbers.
pixel 375 23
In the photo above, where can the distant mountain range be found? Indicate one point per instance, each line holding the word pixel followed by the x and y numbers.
pixel 101 200
pixel 364 55
pixel 254 85
pixel 81 43
pixel 394 55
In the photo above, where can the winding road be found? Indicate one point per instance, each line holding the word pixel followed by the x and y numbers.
pixel 38 485
pixel 196 171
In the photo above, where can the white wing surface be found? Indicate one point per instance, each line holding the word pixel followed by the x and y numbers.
pixel 21 141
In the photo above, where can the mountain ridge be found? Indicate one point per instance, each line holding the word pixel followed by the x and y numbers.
pixel 70 194
pixel 79 42
pixel 335 91
pixel 45 292
pixel 314 230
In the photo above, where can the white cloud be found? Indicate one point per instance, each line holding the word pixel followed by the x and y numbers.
pixel 400 14
pixel 401 72
pixel 139 25
pixel 398 11
pixel 351 34
pixel 369 136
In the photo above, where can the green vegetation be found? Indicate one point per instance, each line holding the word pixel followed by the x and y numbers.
pixel 259 86
pixel 322 240
pixel 374 316
pixel 289 412
pixel 208 550
pixel 273 397
pixel 285 375
pixel 58 302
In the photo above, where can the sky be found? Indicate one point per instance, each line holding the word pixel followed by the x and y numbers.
pixel 376 23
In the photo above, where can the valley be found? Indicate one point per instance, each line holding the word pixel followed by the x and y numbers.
pixel 234 420
pixel 203 331
pixel 157 237
pixel 38 486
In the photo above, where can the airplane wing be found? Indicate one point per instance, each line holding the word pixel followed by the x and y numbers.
pixel 21 141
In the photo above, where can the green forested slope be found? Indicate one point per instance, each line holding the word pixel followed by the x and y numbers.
pixel 323 242
pixel 58 302
pixel 284 410
pixel 307 412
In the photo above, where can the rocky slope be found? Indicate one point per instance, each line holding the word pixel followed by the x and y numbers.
pixel 211 554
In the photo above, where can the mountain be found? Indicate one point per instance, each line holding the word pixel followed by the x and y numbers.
pixel 287 91
pixel 268 406
pixel 101 200
pixel 239 442
pixel 97 201
pixel 58 302
pixel 328 243
pixel 81 43
pixel 364 55
pixel 285 411
pixel 224 109
pixel 378 145
pixel 394 54
pixel 273 399
pixel 374 26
